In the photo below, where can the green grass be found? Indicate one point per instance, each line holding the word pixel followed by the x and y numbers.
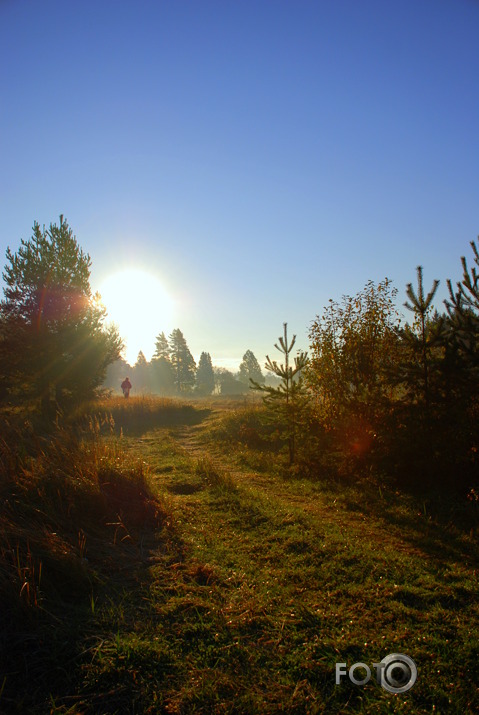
pixel 251 586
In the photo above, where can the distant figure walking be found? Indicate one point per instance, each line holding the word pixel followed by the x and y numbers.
pixel 126 387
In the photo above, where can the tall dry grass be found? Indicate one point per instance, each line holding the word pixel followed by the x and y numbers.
pixel 138 414
pixel 59 494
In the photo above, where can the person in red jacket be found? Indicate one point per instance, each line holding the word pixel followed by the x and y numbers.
pixel 126 387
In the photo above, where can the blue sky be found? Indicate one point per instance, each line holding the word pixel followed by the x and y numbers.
pixel 257 157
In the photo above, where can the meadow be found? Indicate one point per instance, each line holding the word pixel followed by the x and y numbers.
pixel 159 556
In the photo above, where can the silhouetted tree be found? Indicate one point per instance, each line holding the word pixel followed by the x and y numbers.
pixel 463 322
pixel 249 369
pixel 422 336
pixel 184 365
pixel 55 345
pixel 288 399
pixel 162 376
pixel 431 431
pixel 162 348
pixel 205 379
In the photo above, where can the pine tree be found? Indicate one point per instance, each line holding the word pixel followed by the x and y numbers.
pixel 461 369
pixel 463 321
pixel 288 399
pixel 205 378
pixel 162 348
pixel 55 345
pixel 421 338
pixel 182 360
pixel 250 369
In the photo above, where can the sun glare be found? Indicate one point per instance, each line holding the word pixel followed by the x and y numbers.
pixel 141 308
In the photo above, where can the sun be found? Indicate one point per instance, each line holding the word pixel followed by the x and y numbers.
pixel 141 308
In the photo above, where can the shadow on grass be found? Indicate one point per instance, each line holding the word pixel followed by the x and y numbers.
pixel 441 524
pixel 76 546
pixel 135 417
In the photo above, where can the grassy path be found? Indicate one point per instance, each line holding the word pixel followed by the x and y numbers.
pixel 271 582
pixel 292 495
pixel 186 574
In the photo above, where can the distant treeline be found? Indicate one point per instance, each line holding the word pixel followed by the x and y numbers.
pixel 173 371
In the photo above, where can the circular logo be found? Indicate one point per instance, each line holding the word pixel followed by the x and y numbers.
pixel 399 673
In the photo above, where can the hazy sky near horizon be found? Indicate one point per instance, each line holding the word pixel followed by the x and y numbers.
pixel 257 158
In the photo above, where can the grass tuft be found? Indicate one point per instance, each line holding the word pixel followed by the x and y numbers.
pixel 218 479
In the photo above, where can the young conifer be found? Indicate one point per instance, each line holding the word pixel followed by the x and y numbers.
pixel 421 338
pixel 463 312
pixel 287 400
